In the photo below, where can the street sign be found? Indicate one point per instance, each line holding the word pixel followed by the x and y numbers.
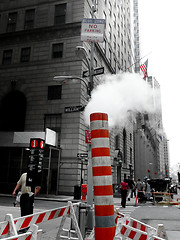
pixel 97 71
pixel 92 30
pixel 85 73
pixel 74 109
pixel 82 155
pixel 88 136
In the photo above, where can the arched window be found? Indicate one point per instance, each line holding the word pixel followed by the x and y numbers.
pixel 124 145
pixel 13 111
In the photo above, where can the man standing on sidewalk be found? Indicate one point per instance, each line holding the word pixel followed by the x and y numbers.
pixel 27 197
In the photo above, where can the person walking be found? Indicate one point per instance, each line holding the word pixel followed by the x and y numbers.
pixel 27 196
pixel 139 185
pixel 124 189
pixel 148 191
pixel 133 189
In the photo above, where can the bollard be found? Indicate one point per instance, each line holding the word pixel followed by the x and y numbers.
pixel 84 192
pixel 82 220
pixel 161 232
pixel 136 197
pixel 102 178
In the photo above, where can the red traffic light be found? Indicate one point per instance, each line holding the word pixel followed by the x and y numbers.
pixel 37 143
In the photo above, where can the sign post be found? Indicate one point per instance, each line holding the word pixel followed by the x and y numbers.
pixel 34 168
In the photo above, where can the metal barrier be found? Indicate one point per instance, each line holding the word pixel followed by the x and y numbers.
pixel 32 234
pixel 134 223
pixel 10 227
pixel 124 231
pixel 131 228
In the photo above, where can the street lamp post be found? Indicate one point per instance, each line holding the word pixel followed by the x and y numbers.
pixel 120 166
pixel 130 169
pixel 62 80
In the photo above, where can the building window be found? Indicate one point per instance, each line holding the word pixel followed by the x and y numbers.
pixel 7 57
pixel 29 19
pixel 115 63
pixel 118 30
pixel 25 54
pixel 118 51
pixel 130 155
pixel 114 21
pixel 110 9
pixel 124 47
pixel 110 55
pixel 124 146
pixel 117 141
pixel 57 50
pixel 118 11
pixel 122 60
pixel 130 136
pixel 104 46
pixel 104 14
pixel 110 32
pixel 12 19
pixel 54 92
pixel 114 42
pixel 60 14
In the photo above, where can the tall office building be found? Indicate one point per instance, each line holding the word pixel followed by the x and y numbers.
pixel 136 36
pixel 37 42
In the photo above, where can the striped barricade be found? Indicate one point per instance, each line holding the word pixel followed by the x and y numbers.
pixel 124 231
pixel 32 234
pixel 12 226
pixel 135 223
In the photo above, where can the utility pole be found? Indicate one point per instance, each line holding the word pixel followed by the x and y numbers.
pixel 90 177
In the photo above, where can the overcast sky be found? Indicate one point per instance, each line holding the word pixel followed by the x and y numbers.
pixel 160 35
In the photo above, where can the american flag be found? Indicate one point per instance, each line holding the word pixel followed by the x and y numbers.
pixel 143 68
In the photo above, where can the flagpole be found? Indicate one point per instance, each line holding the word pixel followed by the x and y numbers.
pixel 138 60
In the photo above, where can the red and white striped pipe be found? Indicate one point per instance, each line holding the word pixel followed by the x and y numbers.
pixel 102 177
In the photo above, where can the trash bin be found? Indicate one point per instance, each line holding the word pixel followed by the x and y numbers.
pixel 77 192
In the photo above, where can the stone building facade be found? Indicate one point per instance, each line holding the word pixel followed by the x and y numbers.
pixel 37 42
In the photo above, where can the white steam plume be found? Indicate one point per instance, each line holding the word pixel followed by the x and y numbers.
pixel 120 94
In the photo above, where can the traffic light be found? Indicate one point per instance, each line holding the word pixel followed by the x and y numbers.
pixel 35 163
pixel 37 143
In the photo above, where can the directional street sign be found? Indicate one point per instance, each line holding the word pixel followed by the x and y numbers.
pixel 74 109
pixel 85 73
pixel 82 155
pixel 97 71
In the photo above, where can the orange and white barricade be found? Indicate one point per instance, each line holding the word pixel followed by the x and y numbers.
pixel 32 234
pixel 140 229
pixel 10 227
pixel 134 223
pixel 124 232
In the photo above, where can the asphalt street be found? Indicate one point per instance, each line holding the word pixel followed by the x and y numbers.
pixel 147 213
